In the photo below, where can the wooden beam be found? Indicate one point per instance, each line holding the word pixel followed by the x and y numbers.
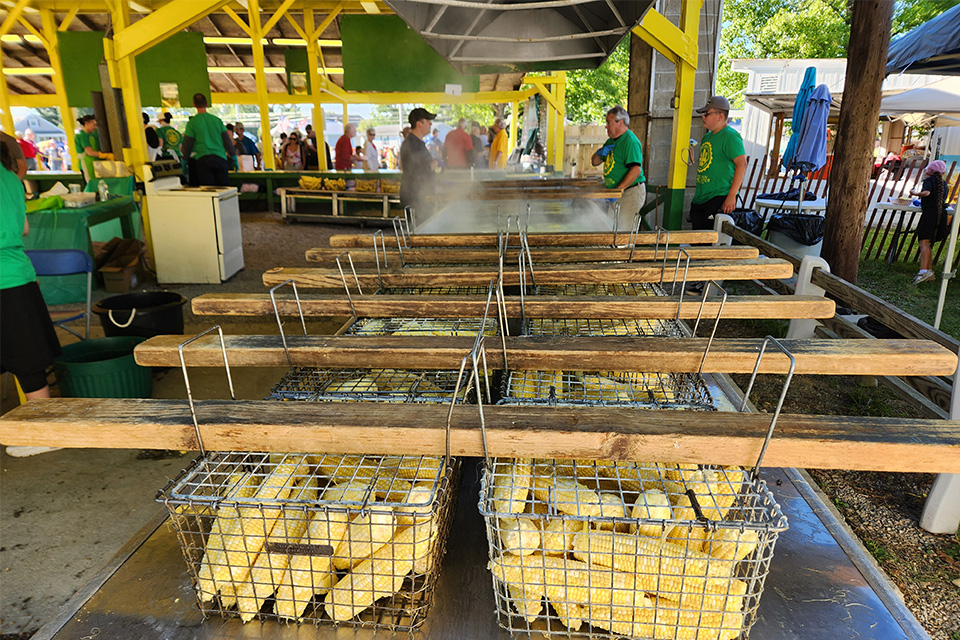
pixel 417 306
pixel 538 254
pixel 532 353
pixel 534 239
pixel 711 437
pixel 545 274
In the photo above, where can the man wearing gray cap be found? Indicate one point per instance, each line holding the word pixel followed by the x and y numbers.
pixel 721 167
pixel 416 163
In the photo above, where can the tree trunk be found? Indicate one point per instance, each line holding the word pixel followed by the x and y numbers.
pixel 856 135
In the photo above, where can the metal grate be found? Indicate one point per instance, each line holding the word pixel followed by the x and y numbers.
pixel 614 289
pixel 602 327
pixel 436 291
pixel 357 385
pixel 590 549
pixel 304 537
pixel 607 388
pixel 422 327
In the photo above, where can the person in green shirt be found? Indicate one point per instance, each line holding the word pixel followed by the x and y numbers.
pixel 170 138
pixel 622 159
pixel 87 145
pixel 721 166
pixel 28 341
pixel 206 140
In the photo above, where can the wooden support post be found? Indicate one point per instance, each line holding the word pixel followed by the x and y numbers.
pixel 775 152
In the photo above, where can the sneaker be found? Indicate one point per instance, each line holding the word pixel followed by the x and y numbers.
pixel 25 452
pixel 924 276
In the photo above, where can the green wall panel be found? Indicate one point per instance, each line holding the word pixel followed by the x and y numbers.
pixel 295 60
pixel 80 55
pixel 181 58
pixel 380 53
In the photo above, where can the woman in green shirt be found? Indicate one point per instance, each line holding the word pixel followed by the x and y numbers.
pixel 87 145
pixel 28 341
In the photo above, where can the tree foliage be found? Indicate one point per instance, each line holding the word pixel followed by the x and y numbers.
pixel 591 92
pixel 798 29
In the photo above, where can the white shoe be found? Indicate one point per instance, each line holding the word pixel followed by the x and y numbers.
pixel 924 276
pixel 24 452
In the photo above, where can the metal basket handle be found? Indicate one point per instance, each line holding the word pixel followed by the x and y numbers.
pixel 525 247
pixel 526 226
pixel 475 354
pixel 276 312
pixel 343 279
pixel 616 223
pixel 186 379
pixel 397 232
pixel 783 394
pixel 634 235
pixel 383 245
pixel 681 252
pixel 703 301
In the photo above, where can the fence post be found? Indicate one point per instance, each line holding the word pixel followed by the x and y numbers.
pixel 804 327
pixel 941 511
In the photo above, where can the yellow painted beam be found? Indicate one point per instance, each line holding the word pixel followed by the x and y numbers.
pixel 549 138
pixel 32 29
pixel 30 100
pixel 668 39
pixel 318 31
pixel 13 17
pixel 561 89
pixel 49 23
pixel 546 93
pixel 68 19
pixel 312 61
pixel 683 103
pixel 514 130
pixel 154 27
pixel 6 116
pixel 486 97
pixel 256 32
pixel 279 13
pixel 237 19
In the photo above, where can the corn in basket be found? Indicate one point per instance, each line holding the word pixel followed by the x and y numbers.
pixel 590 549
pixel 350 539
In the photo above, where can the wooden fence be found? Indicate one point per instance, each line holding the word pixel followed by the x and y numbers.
pixel 883 235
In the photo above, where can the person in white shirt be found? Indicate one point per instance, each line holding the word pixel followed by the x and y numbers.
pixel 371 158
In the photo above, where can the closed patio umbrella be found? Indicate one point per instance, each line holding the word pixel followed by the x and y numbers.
pixel 799 106
pixel 811 153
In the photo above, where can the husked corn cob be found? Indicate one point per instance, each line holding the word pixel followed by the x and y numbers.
pixel 420 468
pixel 511 484
pixel 670 624
pixel 557 535
pixel 243 485
pixel 569 581
pixel 367 532
pixel 729 546
pixel 728 596
pixel 519 535
pixel 652 504
pixel 526 599
pixel 269 569
pixel 366 384
pixel 420 499
pixel 345 468
pixel 537 385
pixel 247 534
pixel 608 389
pixel 571 614
pixel 611 506
pixel 633 477
pixel 307 575
pixel 380 575
pixel 568 495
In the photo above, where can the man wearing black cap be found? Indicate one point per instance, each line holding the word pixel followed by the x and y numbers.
pixel 721 166
pixel 417 164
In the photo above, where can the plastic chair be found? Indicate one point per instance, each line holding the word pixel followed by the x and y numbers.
pixel 65 262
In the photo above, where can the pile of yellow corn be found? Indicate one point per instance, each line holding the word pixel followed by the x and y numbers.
pixel 334 184
pixel 617 546
pixel 592 386
pixel 389 186
pixel 311 183
pixel 367 186
pixel 340 531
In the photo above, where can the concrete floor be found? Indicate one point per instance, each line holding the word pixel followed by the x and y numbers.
pixel 63 514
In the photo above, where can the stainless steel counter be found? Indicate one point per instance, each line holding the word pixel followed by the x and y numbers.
pixel 814 591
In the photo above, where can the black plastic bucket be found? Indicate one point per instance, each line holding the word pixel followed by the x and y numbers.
pixel 145 314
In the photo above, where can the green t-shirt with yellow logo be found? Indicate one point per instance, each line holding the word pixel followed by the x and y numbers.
pixel 716 168
pixel 207 131
pixel 627 153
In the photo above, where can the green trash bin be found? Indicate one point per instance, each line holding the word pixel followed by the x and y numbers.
pixel 103 368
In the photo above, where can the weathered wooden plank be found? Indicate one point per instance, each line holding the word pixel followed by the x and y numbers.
pixel 623 353
pixel 545 274
pixel 547 255
pixel 417 306
pixel 822 442
pixel 533 239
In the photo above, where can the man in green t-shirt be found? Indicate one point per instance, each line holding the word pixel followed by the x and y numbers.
pixel 622 159
pixel 206 138
pixel 721 166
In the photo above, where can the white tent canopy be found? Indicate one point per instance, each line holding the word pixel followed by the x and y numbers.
pixel 938 101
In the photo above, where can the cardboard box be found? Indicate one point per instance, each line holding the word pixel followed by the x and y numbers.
pixel 119 262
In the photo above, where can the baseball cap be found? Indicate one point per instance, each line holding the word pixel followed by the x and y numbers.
pixel 715 102
pixel 419 114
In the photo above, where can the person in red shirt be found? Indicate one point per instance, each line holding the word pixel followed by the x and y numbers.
pixel 29 148
pixel 458 147
pixel 345 154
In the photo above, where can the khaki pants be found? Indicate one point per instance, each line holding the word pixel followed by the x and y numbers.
pixel 630 202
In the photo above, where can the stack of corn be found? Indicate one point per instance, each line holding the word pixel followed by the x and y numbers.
pixel 592 387
pixel 334 184
pixel 322 534
pixel 387 385
pixel 618 546
pixel 367 186
pixel 389 186
pixel 311 183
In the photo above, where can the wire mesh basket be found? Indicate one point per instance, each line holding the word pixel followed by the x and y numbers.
pixel 590 549
pixel 436 291
pixel 423 327
pixel 606 388
pixel 601 327
pixel 612 289
pixel 357 385
pixel 350 539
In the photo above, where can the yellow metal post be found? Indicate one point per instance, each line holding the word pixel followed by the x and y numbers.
pixel 561 91
pixel 551 139
pixel 7 115
pixel 256 33
pixel 313 62
pixel 514 130
pixel 53 52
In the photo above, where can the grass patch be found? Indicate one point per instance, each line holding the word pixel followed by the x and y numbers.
pixel 880 553
pixel 893 284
